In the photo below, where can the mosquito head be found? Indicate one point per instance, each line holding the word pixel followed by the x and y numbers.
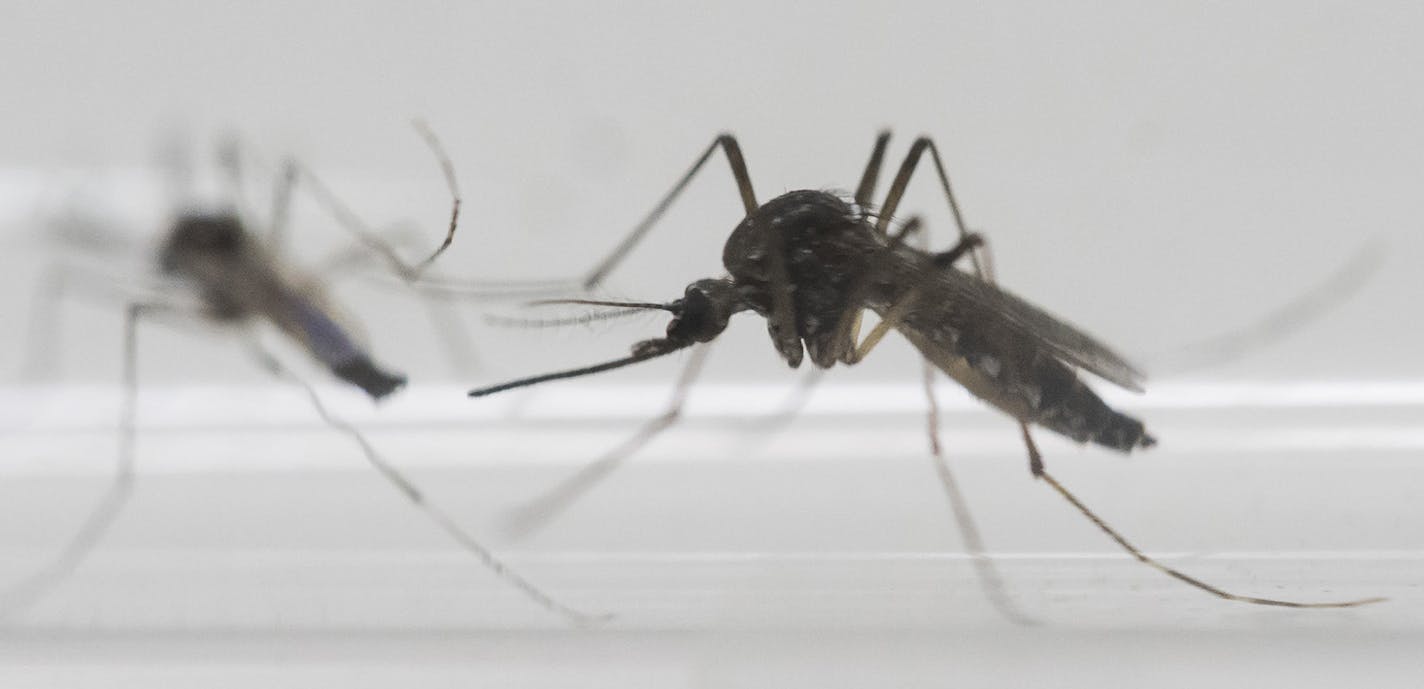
pixel 218 235
pixel 703 311
pixel 699 316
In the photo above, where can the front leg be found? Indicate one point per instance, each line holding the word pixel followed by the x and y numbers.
pixel 733 150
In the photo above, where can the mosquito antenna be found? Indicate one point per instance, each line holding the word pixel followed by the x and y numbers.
pixel 1191 581
pixel 630 305
pixel 623 308
pixel 644 351
pixel 581 319
pixel 482 289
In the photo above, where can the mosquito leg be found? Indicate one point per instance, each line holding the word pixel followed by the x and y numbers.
pixel 42 336
pixel 357 258
pixel 792 406
pixel 175 157
pixel 1190 581
pixel 1035 459
pixel 34 587
pixel 865 191
pixel 902 180
pixel 781 322
pixel 969 244
pixel 454 337
pixel 369 237
pixel 282 207
pixel 892 318
pixel 538 512
pixel 606 265
pixel 988 574
pixel 1279 323
pixel 229 155
pixel 733 151
pixel 417 498
pixel 896 313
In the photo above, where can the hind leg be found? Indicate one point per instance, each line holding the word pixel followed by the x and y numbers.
pixel 408 490
pixel 34 587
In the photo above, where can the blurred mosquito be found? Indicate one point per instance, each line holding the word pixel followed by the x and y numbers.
pixel 812 263
pixel 218 270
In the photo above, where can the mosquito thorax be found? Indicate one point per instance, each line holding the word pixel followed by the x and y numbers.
pixel 823 241
pixel 202 234
pixel 786 220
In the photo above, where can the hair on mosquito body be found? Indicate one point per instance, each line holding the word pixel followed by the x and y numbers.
pixel 812 263
pixel 221 270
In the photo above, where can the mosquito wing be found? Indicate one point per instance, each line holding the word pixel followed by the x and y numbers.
pixel 986 303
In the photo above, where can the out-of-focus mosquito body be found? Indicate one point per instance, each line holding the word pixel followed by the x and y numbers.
pixel 217 270
pixel 238 278
pixel 811 262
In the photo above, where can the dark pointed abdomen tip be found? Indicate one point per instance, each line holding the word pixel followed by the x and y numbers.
pixel 1124 434
pixel 365 375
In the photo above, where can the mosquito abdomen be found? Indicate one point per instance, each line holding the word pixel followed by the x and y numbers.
pixel 364 374
pixel 1039 390
pixel 334 347
pixel 1061 402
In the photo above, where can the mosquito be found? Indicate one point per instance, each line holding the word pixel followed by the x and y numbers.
pixel 218 270
pixel 813 262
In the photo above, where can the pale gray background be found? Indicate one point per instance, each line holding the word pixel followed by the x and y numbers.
pixel 1157 173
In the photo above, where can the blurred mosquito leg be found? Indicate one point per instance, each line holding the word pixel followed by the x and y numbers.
pixel 358 257
pixel 987 573
pixel 606 265
pixel 733 151
pixel 449 326
pixel 372 239
pixel 761 430
pixel 789 408
pixel 417 498
pixel 174 156
pixel 42 335
pixel 1279 323
pixel 282 207
pixel 230 161
pixel 984 569
pixel 455 339
pixel 59 282
pixel 536 513
pixel 30 590
pixel 865 191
